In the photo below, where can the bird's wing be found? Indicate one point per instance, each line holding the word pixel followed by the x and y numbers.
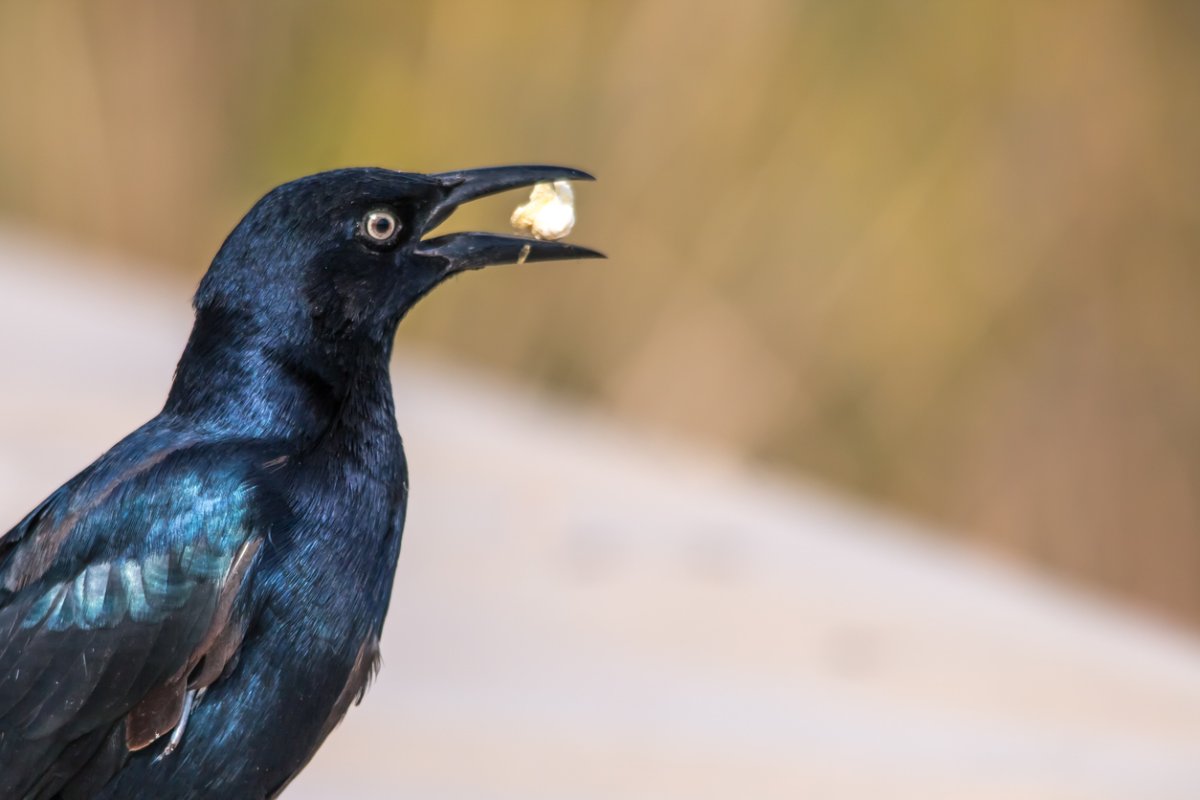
pixel 116 594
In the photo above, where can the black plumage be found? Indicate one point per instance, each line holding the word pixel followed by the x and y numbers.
pixel 193 613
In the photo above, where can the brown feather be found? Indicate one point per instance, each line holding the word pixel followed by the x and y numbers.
pixel 159 711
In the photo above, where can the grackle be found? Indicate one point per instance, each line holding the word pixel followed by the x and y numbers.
pixel 193 613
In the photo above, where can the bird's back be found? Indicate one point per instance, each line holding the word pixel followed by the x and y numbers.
pixel 179 563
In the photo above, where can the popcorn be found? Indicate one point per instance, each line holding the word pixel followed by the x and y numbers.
pixel 549 214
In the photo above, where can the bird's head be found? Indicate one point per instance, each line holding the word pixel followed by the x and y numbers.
pixel 303 298
pixel 343 255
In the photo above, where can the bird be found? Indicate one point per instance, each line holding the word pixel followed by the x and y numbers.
pixel 192 614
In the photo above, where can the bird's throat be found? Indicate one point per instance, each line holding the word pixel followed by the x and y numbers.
pixel 257 384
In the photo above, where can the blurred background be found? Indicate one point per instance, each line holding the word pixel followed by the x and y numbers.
pixel 938 256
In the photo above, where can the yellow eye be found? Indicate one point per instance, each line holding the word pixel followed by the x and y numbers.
pixel 380 225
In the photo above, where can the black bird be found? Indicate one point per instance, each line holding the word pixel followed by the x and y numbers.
pixel 193 613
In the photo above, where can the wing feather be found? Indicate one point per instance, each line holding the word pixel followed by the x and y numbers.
pixel 111 593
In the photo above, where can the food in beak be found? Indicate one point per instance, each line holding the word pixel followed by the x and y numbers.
pixel 549 214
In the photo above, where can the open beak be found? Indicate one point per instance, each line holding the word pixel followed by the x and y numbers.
pixel 464 251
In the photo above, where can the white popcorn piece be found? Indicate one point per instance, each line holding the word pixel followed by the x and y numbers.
pixel 550 212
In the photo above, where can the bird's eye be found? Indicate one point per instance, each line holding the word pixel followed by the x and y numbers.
pixel 380 225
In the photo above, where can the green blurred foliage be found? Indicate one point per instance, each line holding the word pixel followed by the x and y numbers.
pixel 941 253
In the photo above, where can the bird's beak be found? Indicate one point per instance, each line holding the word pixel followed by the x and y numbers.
pixel 463 251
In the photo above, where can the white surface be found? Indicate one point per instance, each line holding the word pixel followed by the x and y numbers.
pixel 580 613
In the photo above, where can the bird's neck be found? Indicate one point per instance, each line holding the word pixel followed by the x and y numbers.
pixel 244 380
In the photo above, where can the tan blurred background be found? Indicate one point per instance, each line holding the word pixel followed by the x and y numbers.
pixel 941 255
